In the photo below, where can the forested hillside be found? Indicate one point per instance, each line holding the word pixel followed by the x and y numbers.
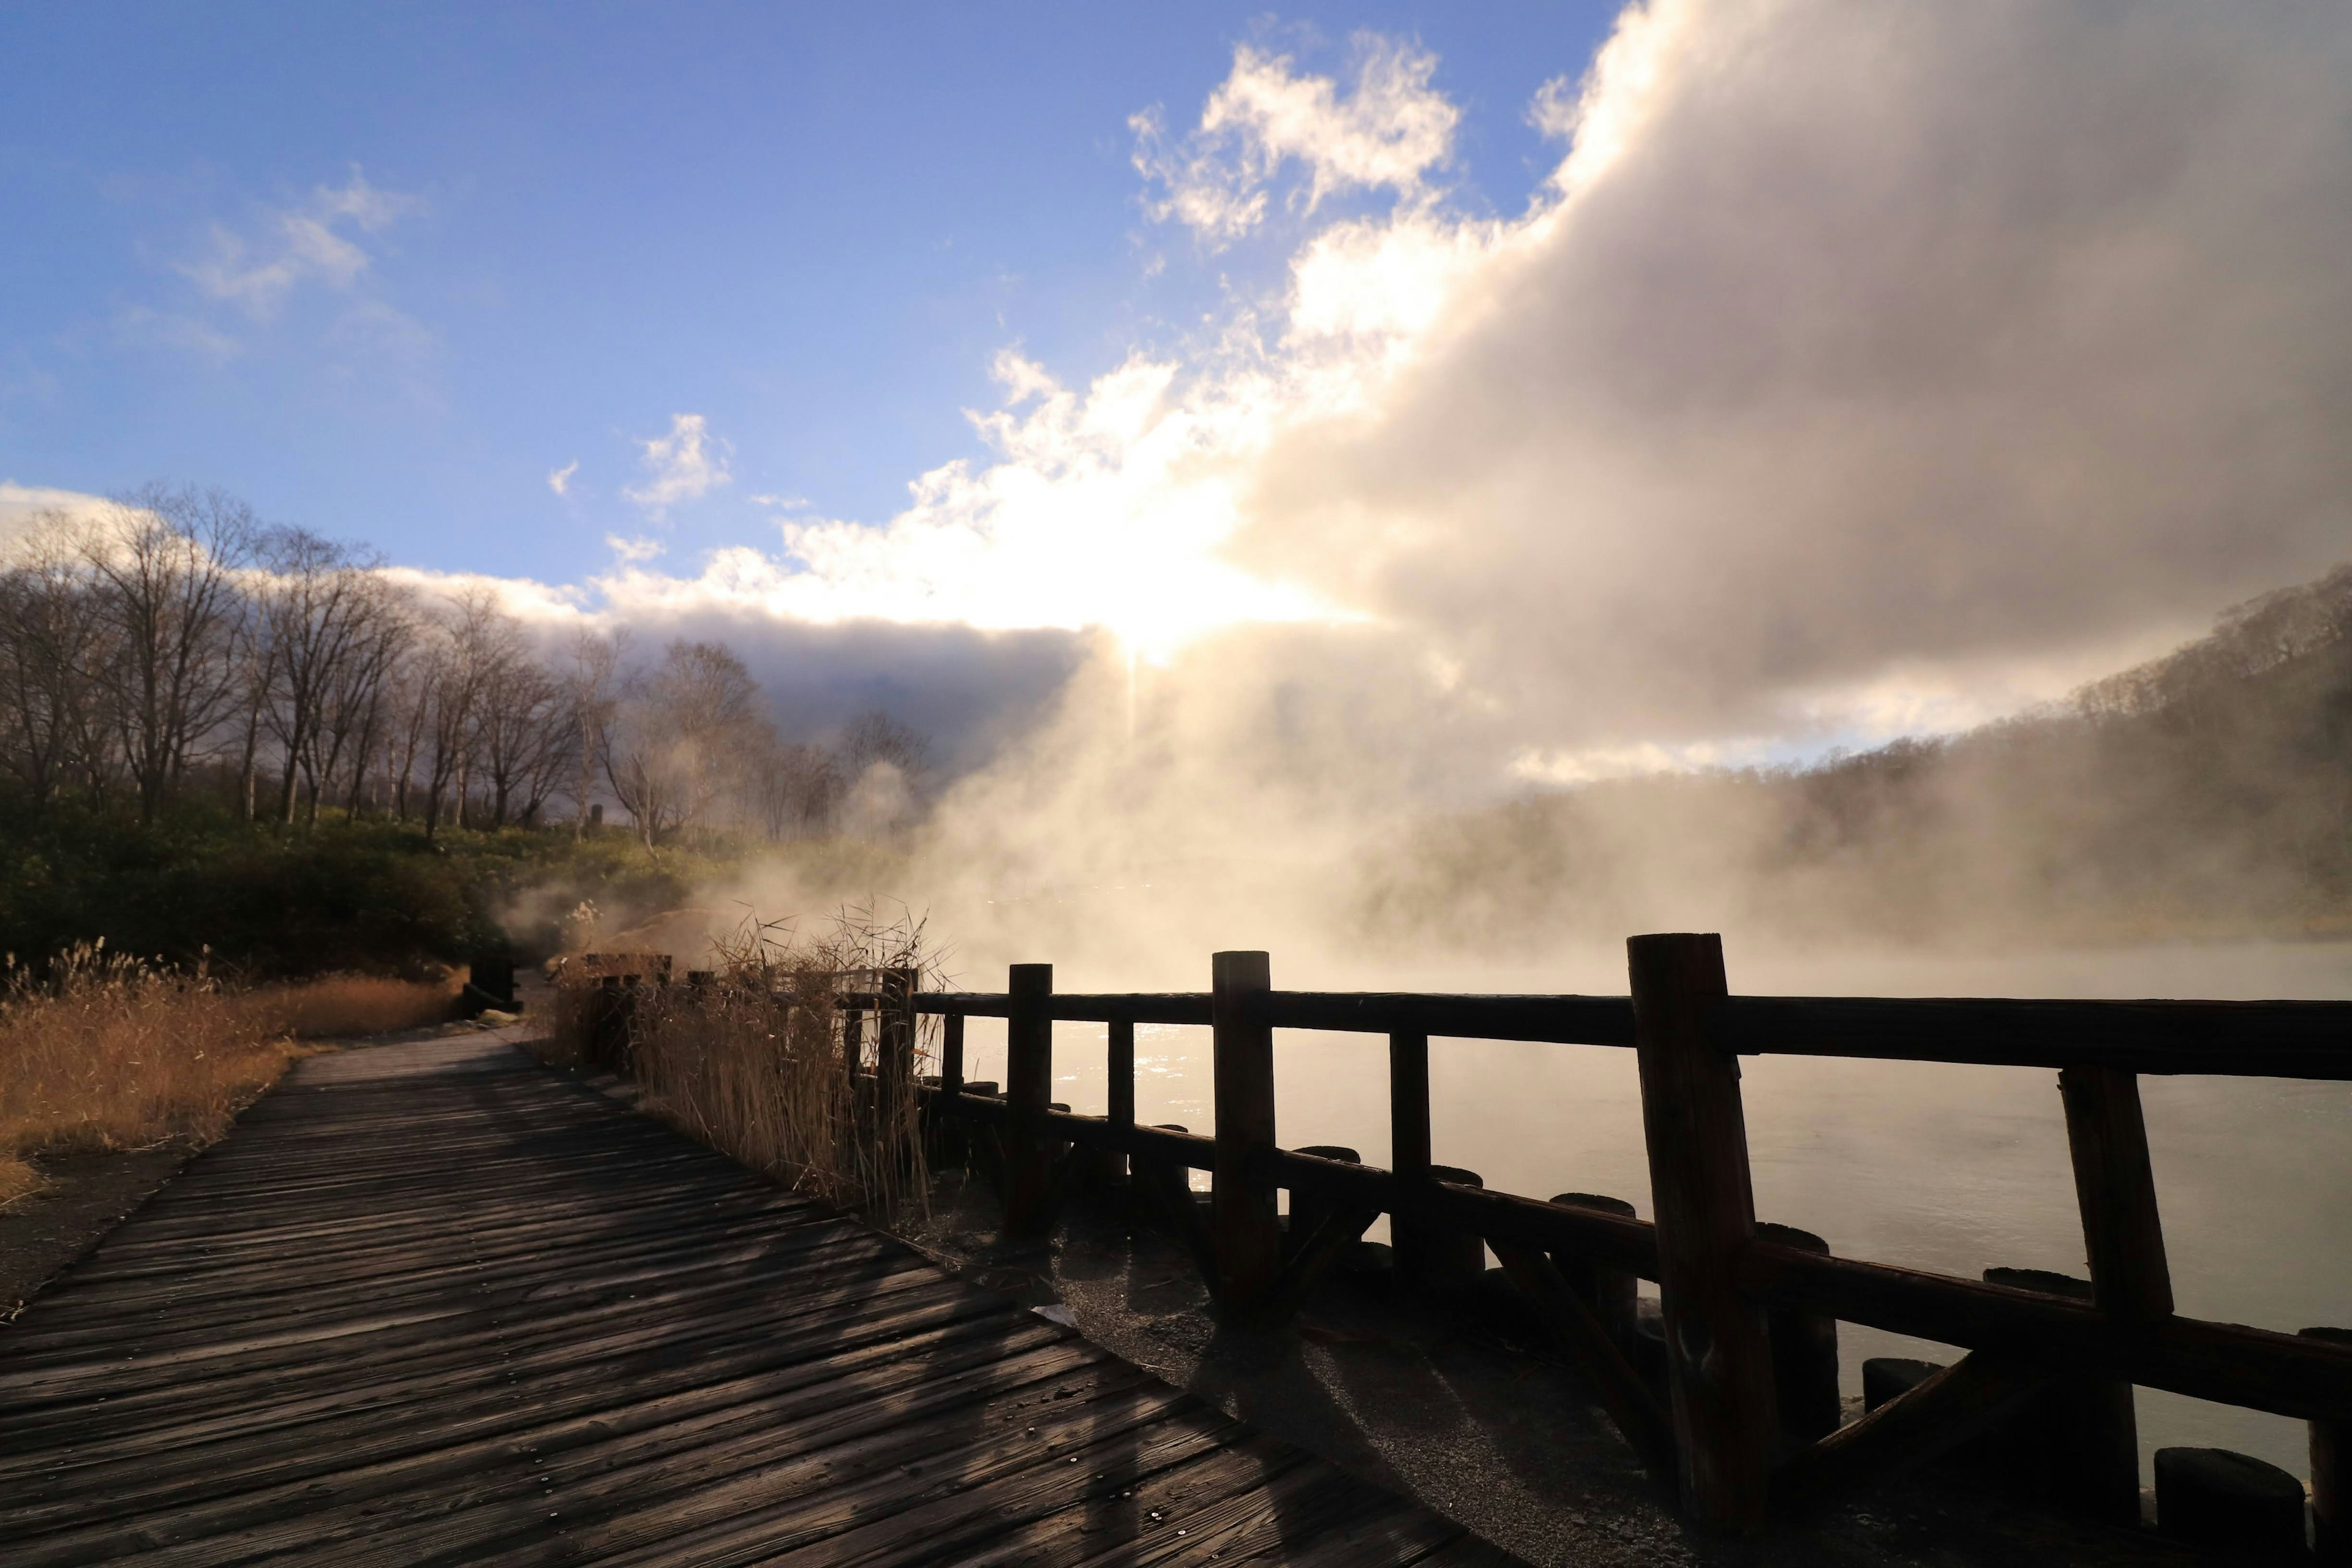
pixel 216 733
pixel 2208 792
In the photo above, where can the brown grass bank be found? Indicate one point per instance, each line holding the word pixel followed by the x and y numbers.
pixel 106 1052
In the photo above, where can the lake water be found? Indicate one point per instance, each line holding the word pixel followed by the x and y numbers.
pixel 1955 1169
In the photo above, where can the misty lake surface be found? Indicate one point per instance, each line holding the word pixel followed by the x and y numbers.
pixel 1955 1169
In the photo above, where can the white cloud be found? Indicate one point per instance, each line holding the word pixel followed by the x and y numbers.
pixel 22 506
pixel 298 246
pixel 560 480
pixel 139 325
pixel 1389 133
pixel 685 465
pixel 632 552
pixel 1813 396
pixel 364 204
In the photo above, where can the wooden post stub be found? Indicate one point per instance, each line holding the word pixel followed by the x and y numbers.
pixel 2331 1475
pixel 1804 1356
pixel 1611 1293
pixel 1718 1360
pixel 1028 1089
pixel 1247 1227
pixel 2234 1502
pixel 1309 1210
pixel 1434 1254
pixel 2115 1189
pixel 2076 1444
pixel 1888 1377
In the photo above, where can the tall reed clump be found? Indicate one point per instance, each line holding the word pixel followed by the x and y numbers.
pixel 101 1051
pixel 750 1060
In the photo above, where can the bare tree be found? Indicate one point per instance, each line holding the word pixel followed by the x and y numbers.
pixel 353 715
pixel 794 789
pixel 680 738
pixel 317 603
pixel 525 728
pixel 53 643
pixel 166 563
pixel 875 737
pixel 591 685
pixel 459 663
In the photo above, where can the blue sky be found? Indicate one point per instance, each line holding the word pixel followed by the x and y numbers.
pixel 811 226
pixel 1525 393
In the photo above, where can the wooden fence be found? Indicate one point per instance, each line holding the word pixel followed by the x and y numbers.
pixel 1722 1432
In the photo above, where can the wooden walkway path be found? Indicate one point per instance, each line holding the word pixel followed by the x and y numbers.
pixel 435 1304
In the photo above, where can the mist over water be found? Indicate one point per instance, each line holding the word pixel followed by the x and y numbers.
pixel 1815 397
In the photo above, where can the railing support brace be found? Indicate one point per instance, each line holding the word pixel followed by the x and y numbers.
pixel 1718 1360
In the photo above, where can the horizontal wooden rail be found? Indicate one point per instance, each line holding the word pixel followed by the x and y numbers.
pixel 2283 1374
pixel 964 1004
pixel 1565 1020
pixel 2241 1039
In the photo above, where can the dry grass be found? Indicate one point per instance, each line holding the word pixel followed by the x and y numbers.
pixel 103 1051
pixel 342 1004
pixel 752 1064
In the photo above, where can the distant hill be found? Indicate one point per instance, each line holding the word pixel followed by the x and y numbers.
pixel 2206 793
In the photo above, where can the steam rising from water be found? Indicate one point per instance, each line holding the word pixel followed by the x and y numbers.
pixel 1851 375
pixel 1856 372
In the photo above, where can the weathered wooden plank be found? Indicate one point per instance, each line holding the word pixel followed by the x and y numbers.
pixel 410 1319
pixel 190 1464
pixel 607 1329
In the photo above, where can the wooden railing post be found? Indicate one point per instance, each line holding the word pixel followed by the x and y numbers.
pixel 2123 1238
pixel 1122 1090
pixel 1247 1227
pixel 1028 1090
pixel 1410 1234
pixel 951 1054
pixel 1719 1361
pixel 852 1042
pixel 1408 1153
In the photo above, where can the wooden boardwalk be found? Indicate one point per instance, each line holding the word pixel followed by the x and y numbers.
pixel 435 1304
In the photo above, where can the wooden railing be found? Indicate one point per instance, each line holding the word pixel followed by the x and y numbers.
pixel 1720 1433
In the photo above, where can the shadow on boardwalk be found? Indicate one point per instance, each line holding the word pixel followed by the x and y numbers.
pixel 431 1303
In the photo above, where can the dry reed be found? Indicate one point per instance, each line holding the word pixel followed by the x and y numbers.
pixel 105 1051
pixel 751 1062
